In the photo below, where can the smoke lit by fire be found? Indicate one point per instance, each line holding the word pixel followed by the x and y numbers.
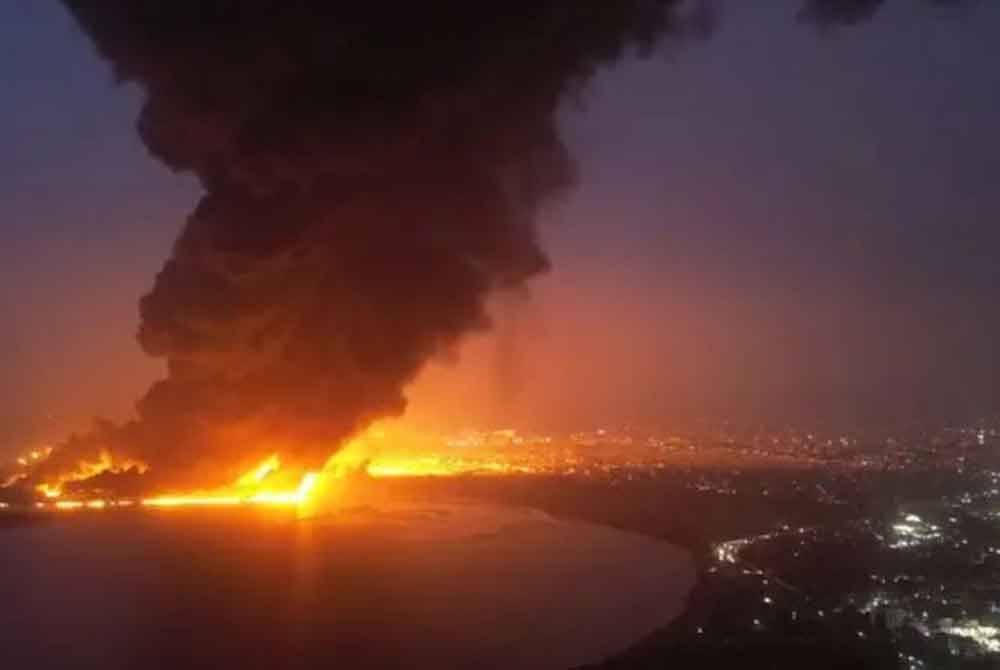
pixel 370 179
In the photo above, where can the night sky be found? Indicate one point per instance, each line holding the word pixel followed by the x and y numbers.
pixel 775 224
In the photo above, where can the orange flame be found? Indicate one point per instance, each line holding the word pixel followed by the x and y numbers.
pixel 84 470
pixel 267 484
pixel 249 489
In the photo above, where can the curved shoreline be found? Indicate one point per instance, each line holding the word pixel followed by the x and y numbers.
pixel 442 586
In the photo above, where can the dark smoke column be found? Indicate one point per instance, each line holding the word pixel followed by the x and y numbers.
pixel 372 172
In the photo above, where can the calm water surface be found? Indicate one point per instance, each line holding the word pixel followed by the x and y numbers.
pixel 436 587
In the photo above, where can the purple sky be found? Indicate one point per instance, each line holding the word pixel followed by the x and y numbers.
pixel 774 224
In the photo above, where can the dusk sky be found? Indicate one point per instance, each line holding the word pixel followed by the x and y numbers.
pixel 774 224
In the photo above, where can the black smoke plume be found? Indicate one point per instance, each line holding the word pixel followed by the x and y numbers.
pixel 371 173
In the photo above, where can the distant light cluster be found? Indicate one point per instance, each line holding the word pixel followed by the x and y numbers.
pixel 987 637
pixel 914 532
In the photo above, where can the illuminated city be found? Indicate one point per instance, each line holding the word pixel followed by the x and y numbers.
pixel 559 335
pixel 922 574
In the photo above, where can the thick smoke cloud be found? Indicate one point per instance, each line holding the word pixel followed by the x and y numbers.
pixel 831 13
pixel 371 173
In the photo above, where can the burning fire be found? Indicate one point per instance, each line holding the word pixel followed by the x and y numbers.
pixel 292 498
pixel 83 471
pixel 249 489
pixel 269 483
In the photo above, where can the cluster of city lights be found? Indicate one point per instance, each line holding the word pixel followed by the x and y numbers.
pixel 913 531
pixel 987 637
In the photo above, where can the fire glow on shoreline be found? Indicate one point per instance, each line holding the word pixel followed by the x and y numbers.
pixel 272 484
pixel 289 498
pixel 83 471
pixel 249 489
